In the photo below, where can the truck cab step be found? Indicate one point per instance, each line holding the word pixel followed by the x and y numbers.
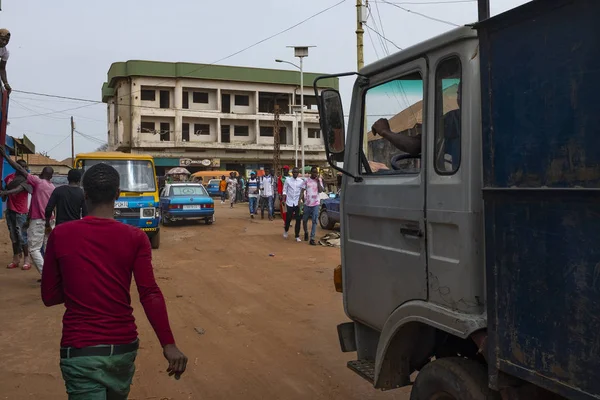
pixel 364 368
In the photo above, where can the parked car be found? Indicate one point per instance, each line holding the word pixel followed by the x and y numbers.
pixel 59 180
pixel 330 212
pixel 186 200
pixel 213 187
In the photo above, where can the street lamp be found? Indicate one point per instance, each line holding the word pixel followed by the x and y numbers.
pixel 300 52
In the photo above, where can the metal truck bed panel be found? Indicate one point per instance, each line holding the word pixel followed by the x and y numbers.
pixel 541 169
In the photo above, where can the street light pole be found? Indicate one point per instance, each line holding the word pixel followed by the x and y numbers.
pixel 302 112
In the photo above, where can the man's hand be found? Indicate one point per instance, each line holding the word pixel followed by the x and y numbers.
pixel 48 229
pixel 26 224
pixel 8 88
pixel 380 126
pixel 177 360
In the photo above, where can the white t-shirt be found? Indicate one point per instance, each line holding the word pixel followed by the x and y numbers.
pixel 4 53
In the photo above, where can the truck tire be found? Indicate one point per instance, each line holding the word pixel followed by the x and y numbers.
pixel 155 240
pixel 453 378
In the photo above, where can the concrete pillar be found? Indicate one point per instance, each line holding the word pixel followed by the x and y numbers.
pixel 219 128
pixel 178 104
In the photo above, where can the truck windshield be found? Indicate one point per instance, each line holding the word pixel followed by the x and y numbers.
pixel 136 175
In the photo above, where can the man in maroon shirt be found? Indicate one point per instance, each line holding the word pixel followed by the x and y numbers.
pixel 88 267
pixel 16 193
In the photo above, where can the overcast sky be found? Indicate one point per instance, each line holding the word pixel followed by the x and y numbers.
pixel 65 47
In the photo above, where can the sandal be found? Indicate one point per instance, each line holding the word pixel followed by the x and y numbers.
pixel 26 267
pixel 12 265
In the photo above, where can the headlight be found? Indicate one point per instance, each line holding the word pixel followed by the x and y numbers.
pixel 148 212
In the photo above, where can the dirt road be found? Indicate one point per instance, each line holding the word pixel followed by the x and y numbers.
pixel 268 323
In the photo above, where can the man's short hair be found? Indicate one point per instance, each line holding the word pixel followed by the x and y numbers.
pixel 22 163
pixel 101 184
pixel 74 176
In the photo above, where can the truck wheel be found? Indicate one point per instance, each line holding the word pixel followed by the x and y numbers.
pixel 453 378
pixel 325 221
pixel 155 240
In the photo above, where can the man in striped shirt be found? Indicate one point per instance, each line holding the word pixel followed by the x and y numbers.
pixel 252 189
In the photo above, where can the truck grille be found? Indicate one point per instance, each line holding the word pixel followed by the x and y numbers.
pixel 127 213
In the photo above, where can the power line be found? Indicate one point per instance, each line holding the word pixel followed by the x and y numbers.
pixel 420 14
pixel 257 43
pixel 425 3
pixel 380 22
pixel 56 112
pixel 59 143
pixel 58 97
pixel 50 113
pixel 383 37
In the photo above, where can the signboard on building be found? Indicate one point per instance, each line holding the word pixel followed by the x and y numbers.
pixel 189 162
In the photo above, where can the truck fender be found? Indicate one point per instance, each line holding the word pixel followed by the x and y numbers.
pixel 405 326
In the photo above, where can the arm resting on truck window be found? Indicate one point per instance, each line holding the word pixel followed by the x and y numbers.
pixel 402 141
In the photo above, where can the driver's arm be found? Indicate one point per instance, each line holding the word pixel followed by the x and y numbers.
pixel 402 141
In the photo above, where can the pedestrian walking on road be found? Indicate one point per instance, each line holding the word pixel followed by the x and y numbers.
pixel 291 195
pixel 223 189
pixel 42 190
pixel 280 184
pixel 16 195
pixel 89 268
pixel 68 200
pixel 310 196
pixel 232 184
pixel 252 189
pixel 267 191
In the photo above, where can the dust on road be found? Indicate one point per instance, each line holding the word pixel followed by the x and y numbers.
pixel 253 326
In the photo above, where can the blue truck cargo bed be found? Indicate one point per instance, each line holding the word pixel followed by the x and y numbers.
pixel 540 67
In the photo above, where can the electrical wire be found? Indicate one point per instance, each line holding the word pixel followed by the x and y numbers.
pixel 425 3
pixel 384 38
pixel 257 43
pixel 50 113
pixel 59 143
pixel 380 23
pixel 420 14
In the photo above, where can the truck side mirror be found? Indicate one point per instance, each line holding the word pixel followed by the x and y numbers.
pixel 332 124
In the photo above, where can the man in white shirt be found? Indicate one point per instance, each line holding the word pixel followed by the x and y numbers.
pixel 291 197
pixel 267 193
pixel 4 54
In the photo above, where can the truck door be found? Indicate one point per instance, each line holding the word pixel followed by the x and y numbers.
pixel 454 234
pixel 383 215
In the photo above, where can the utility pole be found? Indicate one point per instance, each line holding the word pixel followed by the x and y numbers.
pixel 72 140
pixel 360 59
pixel 484 9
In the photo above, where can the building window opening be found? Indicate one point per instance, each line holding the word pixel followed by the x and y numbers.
pixel 148 95
pixel 267 131
pixel 165 132
pixel 185 100
pixel 185 132
pixel 164 99
pixel 242 100
pixel 201 129
pixel 225 134
pixel 147 127
pixel 200 97
pixel 314 133
pixel 241 130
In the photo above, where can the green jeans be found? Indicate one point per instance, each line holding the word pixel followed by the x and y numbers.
pixel 98 377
